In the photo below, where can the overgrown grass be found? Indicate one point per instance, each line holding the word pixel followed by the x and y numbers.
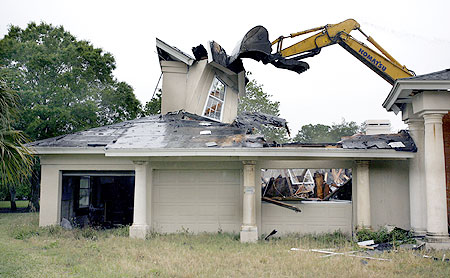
pixel 29 251
pixel 19 204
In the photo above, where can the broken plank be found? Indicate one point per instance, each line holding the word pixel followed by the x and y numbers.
pixel 281 204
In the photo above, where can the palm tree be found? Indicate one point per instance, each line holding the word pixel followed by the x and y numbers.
pixel 16 158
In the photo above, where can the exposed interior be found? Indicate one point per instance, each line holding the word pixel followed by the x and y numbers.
pixel 307 184
pixel 102 199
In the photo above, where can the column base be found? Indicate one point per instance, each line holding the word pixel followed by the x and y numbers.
pixel 139 231
pixel 249 234
pixel 419 233
pixel 437 238
pixel 363 227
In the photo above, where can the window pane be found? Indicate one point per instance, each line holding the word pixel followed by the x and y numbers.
pixel 215 100
pixel 213 108
pixel 84 198
pixel 84 182
pixel 218 89
pixel 84 192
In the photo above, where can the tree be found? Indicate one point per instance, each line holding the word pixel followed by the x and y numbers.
pixel 65 85
pixel 16 158
pixel 256 100
pixel 320 133
pixel 153 106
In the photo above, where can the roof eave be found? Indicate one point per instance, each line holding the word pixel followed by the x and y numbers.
pixel 401 85
pixel 174 52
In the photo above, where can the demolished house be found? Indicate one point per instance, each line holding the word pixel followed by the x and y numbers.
pixel 200 167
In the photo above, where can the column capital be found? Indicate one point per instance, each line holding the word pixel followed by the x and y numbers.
pixel 363 163
pixel 416 122
pixel 433 118
pixel 140 162
pixel 249 162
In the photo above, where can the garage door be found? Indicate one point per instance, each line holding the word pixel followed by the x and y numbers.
pixel 196 201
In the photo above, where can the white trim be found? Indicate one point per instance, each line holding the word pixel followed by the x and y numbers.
pixel 223 101
pixel 68 150
pixel 276 153
pixel 174 52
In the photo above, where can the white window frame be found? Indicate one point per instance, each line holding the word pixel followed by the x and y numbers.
pixel 215 98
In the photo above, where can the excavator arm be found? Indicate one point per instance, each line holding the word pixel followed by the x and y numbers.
pixel 380 62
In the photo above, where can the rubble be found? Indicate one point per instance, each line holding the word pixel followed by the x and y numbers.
pixel 301 185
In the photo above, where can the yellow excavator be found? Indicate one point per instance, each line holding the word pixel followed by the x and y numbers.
pixel 256 45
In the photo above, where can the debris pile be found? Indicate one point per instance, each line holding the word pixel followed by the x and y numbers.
pixel 306 184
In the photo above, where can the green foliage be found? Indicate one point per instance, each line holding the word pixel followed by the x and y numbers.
pixel 65 84
pixel 382 235
pixel 256 100
pixel 326 134
pixel 153 106
pixel 15 157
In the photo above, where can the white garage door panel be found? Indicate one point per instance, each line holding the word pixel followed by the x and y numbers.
pixel 196 200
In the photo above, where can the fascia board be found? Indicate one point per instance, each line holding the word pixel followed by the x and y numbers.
pixel 263 152
pixel 52 150
pixel 174 52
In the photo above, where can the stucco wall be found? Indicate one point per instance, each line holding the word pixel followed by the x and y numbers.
pixel 388 189
pixel 315 217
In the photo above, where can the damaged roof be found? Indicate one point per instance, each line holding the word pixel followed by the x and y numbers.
pixel 182 130
pixel 401 141
pixel 173 130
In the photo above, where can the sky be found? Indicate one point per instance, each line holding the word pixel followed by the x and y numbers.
pixel 337 86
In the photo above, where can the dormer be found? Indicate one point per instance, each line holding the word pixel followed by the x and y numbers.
pixel 205 85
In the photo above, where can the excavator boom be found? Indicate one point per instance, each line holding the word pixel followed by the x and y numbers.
pixel 256 45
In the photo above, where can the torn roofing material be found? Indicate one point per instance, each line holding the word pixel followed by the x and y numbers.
pixel 401 141
pixel 258 119
pixel 173 130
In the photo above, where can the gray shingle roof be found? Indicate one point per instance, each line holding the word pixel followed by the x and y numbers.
pixel 174 130
pixel 438 75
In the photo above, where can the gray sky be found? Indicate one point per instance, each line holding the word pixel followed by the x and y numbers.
pixel 416 33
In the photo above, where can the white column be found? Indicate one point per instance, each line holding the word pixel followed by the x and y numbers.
pixel 51 183
pixel 140 226
pixel 417 189
pixel 437 229
pixel 362 195
pixel 249 230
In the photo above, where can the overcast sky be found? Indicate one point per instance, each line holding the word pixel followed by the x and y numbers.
pixel 416 33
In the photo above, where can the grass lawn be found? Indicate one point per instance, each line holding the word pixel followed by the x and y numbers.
pixel 29 251
pixel 19 204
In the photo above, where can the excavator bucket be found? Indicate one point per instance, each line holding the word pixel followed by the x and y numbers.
pixel 256 45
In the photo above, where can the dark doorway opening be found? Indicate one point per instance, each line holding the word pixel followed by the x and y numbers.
pixel 102 199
